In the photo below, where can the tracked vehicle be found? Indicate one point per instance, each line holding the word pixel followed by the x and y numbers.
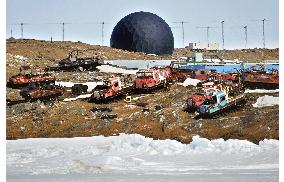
pixel 153 78
pixel 112 87
pixel 226 98
pixel 41 92
pixel 23 79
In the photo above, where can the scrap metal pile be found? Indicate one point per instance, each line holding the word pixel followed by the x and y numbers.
pixel 261 79
pixel 76 63
pixel 24 79
pixel 215 93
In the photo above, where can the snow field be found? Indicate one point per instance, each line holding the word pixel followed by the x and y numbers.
pixel 139 158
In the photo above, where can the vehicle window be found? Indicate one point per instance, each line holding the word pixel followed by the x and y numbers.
pixel 222 98
pixel 214 98
pixel 140 74
pixel 148 74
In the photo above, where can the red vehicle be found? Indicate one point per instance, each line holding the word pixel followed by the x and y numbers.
pixel 195 100
pixel 206 90
pixel 235 77
pixel 21 80
pixel 112 88
pixel 152 78
pixel 261 79
pixel 212 75
pixel 180 75
pixel 41 92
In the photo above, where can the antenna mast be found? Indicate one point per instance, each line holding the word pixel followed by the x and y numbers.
pixel 103 33
pixel 246 35
pixel 182 26
pixel 207 31
pixel 63 31
pixel 223 38
pixel 263 33
pixel 22 30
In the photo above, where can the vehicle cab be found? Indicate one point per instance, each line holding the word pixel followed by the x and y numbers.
pixel 214 104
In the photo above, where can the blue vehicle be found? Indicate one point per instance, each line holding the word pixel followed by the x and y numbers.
pixel 219 102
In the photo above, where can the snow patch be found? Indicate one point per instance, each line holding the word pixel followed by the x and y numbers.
pixel 91 85
pixel 261 91
pixel 189 81
pixel 78 97
pixel 266 100
pixel 111 69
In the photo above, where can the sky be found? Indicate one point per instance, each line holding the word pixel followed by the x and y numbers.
pixel 83 19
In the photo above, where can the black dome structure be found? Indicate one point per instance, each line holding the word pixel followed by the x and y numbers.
pixel 143 32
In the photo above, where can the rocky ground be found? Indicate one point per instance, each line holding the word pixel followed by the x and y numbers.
pixel 159 115
pixel 45 53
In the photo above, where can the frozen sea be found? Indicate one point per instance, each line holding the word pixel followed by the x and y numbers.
pixel 138 158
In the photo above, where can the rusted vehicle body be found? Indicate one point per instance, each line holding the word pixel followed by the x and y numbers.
pixel 203 92
pixel 148 79
pixel 21 80
pixel 202 74
pixel 112 87
pixel 180 75
pixel 76 63
pixel 227 98
pixel 212 75
pixel 261 79
pixel 41 92
pixel 235 77
pixel 206 90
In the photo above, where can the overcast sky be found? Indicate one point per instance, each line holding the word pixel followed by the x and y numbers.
pixel 85 16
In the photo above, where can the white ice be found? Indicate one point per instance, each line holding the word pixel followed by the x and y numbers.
pixel 189 81
pixel 91 85
pixel 111 69
pixel 137 158
pixel 260 91
pixel 83 96
pixel 266 100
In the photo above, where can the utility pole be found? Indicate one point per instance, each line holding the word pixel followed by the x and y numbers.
pixel 223 38
pixel 63 31
pixel 182 33
pixel 182 26
pixel 207 31
pixel 246 35
pixel 22 30
pixel 263 33
pixel 103 33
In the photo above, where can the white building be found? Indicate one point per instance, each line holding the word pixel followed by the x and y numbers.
pixel 203 46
